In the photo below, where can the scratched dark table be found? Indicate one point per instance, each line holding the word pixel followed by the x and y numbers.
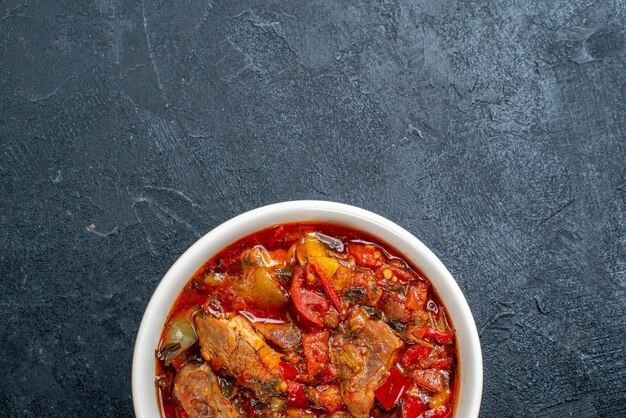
pixel 492 130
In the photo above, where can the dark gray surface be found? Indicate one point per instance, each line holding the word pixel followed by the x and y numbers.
pixel 494 131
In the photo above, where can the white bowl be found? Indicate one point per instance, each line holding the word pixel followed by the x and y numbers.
pixel 471 365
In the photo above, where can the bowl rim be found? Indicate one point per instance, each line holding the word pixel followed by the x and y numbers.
pixel 146 404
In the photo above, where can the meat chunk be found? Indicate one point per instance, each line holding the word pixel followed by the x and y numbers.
pixel 233 347
pixel 432 380
pixel 197 389
pixel 362 351
pixel 287 337
pixel 327 397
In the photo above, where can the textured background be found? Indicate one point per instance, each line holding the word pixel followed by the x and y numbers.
pixel 492 130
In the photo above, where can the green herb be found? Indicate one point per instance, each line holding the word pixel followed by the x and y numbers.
pixel 398 326
pixel 347 358
pixel 431 318
pixel 284 274
pixel 441 325
pixel 355 295
pixel 226 387
pixel 424 343
pixel 277 405
pixel 373 312
pixel 168 352
pixel 331 320
pixel 401 291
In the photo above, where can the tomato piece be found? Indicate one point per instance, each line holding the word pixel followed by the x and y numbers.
pixel 329 376
pixel 309 306
pixel 413 407
pixel 316 351
pixel 416 296
pixel 414 354
pixel 182 414
pixel 287 370
pixel 279 235
pixel 433 333
pixel 297 397
pixel 429 379
pixel 442 363
pixel 366 255
pixel 402 276
pixel 328 288
pixel 392 389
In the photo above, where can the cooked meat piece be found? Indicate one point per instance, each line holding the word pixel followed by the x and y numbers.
pixel 327 397
pixel 362 351
pixel 429 379
pixel 394 308
pixel 233 347
pixel 197 389
pixel 286 337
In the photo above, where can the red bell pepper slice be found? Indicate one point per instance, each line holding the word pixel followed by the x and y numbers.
pixel 328 288
pixel 413 407
pixel 297 397
pixel 392 389
pixel 309 306
pixel 287 370
pixel 442 364
pixel 329 375
pixel 430 332
pixel 414 354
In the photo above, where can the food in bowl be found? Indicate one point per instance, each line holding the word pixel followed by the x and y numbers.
pixel 304 320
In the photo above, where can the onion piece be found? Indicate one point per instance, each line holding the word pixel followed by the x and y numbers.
pixel 332 242
pixel 180 331
pixel 255 320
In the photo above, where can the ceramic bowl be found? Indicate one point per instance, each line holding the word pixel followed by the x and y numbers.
pixel 471 367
